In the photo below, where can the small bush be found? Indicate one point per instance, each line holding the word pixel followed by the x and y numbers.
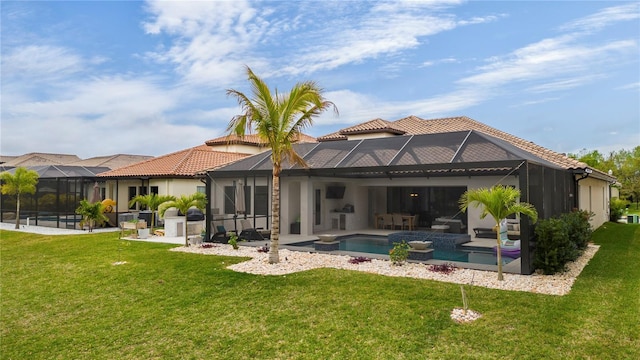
pixel 399 253
pixel 446 268
pixel 359 259
pixel 554 248
pixel 617 207
pixel 233 241
pixel 579 229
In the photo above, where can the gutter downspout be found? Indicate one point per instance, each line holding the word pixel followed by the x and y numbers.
pixel 585 175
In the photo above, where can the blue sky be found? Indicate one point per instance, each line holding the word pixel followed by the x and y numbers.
pixel 149 78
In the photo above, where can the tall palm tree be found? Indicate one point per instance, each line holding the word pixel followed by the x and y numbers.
pixel 278 120
pixel 499 202
pixel 183 204
pixel 92 214
pixel 22 181
pixel 152 202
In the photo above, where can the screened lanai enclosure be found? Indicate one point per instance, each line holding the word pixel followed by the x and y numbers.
pixel 350 184
pixel 58 193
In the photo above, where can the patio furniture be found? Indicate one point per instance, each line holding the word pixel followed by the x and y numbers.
pixel 410 221
pixel 248 232
pixel 440 228
pixel 455 225
pixel 221 234
pixel 398 221
pixel 485 233
pixel 387 221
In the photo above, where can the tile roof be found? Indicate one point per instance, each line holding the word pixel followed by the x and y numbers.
pixel 250 139
pixel 112 161
pixel 374 126
pixel 186 162
pixel 36 159
pixel 413 125
pixel 370 127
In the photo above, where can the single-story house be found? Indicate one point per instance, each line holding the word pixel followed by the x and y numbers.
pixel 178 173
pixel 64 180
pixel 410 166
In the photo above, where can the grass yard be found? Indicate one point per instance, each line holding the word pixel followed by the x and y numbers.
pixel 63 299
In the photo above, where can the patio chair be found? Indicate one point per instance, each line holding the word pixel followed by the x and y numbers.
pixel 221 235
pixel 398 221
pixel 248 232
pixel 387 221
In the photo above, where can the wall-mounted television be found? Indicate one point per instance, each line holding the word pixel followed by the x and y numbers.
pixel 335 192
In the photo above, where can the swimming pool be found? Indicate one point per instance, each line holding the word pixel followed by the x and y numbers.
pixel 380 245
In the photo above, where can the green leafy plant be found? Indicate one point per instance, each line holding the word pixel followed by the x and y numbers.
pixel 554 248
pixel 617 207
pixel 579 228
pixel 152 202
pixel 399 254
pixel 233 241
pixel 92 214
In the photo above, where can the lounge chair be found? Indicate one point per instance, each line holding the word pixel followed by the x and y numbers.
pixel 221 234
pixel 249 233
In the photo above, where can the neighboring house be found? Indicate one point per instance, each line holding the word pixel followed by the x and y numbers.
pixel 178 173
pixel 411 166
pixel 64 180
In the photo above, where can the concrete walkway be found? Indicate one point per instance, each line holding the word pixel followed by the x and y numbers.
pixel 44 230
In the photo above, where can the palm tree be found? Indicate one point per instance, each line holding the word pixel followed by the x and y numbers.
pixel 92 214
pixel 278 120
pixel 152 202
pixel 22 181
pixel 183 204
pixel 499 202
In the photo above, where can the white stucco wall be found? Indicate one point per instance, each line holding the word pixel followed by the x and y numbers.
pixel 594 197
pixel 119 191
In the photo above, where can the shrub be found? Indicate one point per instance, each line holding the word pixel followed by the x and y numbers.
pixel 579 228
pixel 359 259
pixel 617 208
pixel 446 268
pixel 554 248
pixel 399 253
pixel 233 241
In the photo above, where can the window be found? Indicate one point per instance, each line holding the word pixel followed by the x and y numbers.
pixel 154 190
pixel 201 189
pixel 132 194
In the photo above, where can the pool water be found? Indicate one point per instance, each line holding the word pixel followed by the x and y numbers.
pixel 379 245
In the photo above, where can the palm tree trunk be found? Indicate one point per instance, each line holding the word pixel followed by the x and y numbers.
pixel 186 237
pixel 274 256
pixel 499 254
pixel 18 211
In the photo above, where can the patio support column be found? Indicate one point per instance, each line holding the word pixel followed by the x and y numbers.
pixel 306 208
pixel 526 253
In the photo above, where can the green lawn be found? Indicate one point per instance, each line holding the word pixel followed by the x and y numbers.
pixel 63 299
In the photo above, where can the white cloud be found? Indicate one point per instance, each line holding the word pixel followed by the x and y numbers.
pixel 212 39
pixel 604 17
pixel 37 61
pixel 631 86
